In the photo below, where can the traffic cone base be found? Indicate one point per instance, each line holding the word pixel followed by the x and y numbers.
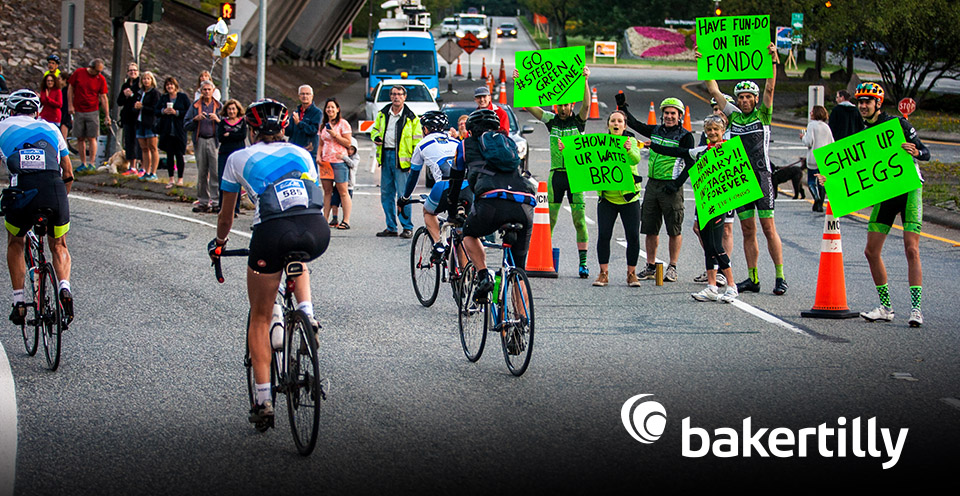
pixel 540 254
pixel 831 298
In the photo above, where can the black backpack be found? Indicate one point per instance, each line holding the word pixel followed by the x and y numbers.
pixel 499 151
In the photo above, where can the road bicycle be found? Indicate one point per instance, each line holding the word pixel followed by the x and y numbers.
pixel 427 270
pixel 41 285
pixel 295 366
pixel 509 308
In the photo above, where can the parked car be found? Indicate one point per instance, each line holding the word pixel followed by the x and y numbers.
pixel 448 27
pixel 455 109
pixel 419 97
pixel 507 30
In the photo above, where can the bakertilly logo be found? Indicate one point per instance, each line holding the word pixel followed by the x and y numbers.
pixel 645 420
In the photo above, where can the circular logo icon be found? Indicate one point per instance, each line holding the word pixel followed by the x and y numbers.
pixel 643 420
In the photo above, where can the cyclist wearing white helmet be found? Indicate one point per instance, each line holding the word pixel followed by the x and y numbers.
pixel 37 159
pixel 750 119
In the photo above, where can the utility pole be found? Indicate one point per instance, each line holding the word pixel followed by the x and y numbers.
pixel 262 50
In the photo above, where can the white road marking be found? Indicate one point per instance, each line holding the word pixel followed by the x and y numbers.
pixel 8 425
pixel 157 212
pixel 787 147
pixel 603 105
pixel 631 87
pixel 952 402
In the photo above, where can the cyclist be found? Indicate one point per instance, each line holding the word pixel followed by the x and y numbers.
pixel 40 175
pixel 437 150
pixel 566 123
pixel 500 197
pixel 750 119
pixel 282 180
pixel 661 204
pixel 910 207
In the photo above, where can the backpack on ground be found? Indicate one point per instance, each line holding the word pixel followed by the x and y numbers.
pixel 499 151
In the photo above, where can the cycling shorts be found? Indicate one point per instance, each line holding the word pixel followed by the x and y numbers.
pixel 559 185
pixel 487 215
pixel 51 193
pixel 908 205
pixel 273 239
pixel 437 201
pixel 764 204
pixel 660 206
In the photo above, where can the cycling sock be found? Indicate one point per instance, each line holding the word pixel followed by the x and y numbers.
pixel 884 292
pixel 915 294
pixel 779 271
pixel 754 276
pixel 17 296
pixel 65 285
pixel 307 307
pixel 583 257
pixel 263 393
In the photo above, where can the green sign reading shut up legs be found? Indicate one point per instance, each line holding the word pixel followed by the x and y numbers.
pixel 734 47
pixel 549 77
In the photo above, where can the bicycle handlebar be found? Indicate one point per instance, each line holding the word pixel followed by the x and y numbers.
pixel 239 252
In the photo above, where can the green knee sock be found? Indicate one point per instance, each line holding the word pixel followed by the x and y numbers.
pixel 752 272
pixel 915 294
pixel 780 271
pixel 583 257
pixel 884 292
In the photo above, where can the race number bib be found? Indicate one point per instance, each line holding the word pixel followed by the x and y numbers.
pixel 32 159
pixel 291 193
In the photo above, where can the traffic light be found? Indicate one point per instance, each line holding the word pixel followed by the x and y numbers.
pixel 716 8
pixel 828 4
pixel 228 11
pixel 147 11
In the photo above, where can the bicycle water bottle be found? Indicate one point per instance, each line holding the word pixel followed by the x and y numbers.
pixel 276 327
pixel 496 287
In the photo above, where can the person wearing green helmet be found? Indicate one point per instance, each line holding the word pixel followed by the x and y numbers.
pixel 750 120
pixel 663 200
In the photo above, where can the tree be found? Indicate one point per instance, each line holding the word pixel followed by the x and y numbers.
pixel 558 12
pixel 617 15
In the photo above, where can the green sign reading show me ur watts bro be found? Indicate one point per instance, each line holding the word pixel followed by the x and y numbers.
pixel 734 47
pixel 597 162
pixel 549 77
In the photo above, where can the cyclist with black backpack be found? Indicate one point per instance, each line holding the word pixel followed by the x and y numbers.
pixel 491 164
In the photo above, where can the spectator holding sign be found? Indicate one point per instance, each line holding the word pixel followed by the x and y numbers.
pixel 909 206
pixel 566 123
pixel 750 119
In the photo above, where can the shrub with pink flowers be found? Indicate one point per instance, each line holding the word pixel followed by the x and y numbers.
pixel 660 43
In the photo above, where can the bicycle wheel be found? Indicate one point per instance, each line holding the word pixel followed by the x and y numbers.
pixel 52 317
pixel 30 330
pixel 472 317
pixel 425 275
pixel 516 336
pixel 302 382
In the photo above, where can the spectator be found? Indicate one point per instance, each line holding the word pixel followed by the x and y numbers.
pixel 51 99
pixel 88 93
pixel 53 65
pixel 128 96
pixel 202 120
pixel 335 137
pixel 481 95
pixel 172 138
pixel 306 122
pixel 66 120
pixel 232 133
pixel 351 159
pixel 845 119
pixel 396 130
pixel 3 82
pixel 816 135
pixel 146 120
pixel 205 76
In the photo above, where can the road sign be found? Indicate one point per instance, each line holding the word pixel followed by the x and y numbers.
pixel 797 39
pixel 907 106
pixel 450 51
pixel 796 20
pixel 71 24
pixel 783 37
pixel 136 32
pixel 469 43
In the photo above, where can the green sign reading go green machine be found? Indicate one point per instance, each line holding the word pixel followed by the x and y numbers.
pixel 549 77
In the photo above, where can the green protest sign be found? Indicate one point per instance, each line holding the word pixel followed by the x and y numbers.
pixel 867 168
pixel 734 47
pixel 597 162
pixel 723 180
pixel 549 77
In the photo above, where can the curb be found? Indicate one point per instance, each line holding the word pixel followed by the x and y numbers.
pixel 941 216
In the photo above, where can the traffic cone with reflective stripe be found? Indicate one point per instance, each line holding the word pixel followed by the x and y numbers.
pixel 459 69
pixel 483 69
pixel 540 254
pixel 652 116
pixel 831 298
pixel 686 119
pixel 490 84
pixel 594 105
pixel 503 93
pixel 503 74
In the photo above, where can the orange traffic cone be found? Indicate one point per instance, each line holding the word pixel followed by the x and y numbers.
pixel 594 105
pixel 503 93
pixel 686 119
pixel 554 109
pixel 459 69
pixel 490 84
pixel 652 116
pixel 831 298
pixel 483 69
pixel 540 254
pixel 503 72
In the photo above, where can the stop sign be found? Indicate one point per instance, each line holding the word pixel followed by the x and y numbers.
pixel 907 106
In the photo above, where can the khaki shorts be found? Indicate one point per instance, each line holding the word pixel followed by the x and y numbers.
pixel 86 124
pixel 658 207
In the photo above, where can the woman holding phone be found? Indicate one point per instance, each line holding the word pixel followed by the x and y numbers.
pixel 335 134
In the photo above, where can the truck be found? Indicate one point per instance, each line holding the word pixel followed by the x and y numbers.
pixel 476 24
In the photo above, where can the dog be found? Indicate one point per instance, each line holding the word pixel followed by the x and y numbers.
pixel 793 173
pixel 116 164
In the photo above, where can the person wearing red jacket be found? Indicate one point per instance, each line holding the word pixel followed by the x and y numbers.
pixel 51 99
pixel 481 95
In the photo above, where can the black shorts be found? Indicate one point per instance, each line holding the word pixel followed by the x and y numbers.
pixel 762 205
pixel 51 193
pixel 273 239
pixel 488 215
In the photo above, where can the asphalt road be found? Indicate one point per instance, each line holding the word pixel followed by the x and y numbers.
pixel 150 396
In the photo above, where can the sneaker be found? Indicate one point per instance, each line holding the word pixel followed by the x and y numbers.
pixel 670 275
pixel 276 327
pixel 916 318
pixel 129 172
pixel 603 279
pixel 334 222
pixel 203 207
pixel 748 286
pixel 66 302
pixel 632 280
pixel 721 279
pixel 406 234
pixel 648 272
pixel 880 313
pixel 18 314
pixel 386 233
pixel 262 415
pixel 706 294
pixel 436 255
pixel 485 283
pixel 729 295
pixel 702 278
pixel 780 288
pixel 141 172
pixel 584 272
pixel 214 209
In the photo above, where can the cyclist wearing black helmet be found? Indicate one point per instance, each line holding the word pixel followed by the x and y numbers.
pixel 36 156
pixel 282 181
pixel 53 66
pixel 490 162
pixel 437 150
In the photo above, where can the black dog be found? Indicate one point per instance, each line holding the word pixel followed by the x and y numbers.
pixel 793 173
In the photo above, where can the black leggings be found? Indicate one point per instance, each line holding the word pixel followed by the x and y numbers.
pixel 171 157
pixel 606 217
pixel 712 237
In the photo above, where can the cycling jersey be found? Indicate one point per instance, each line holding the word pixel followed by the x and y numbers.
pixel 754 132
pixel 436 150
pixel 908 205
pixel 660 166
pixel 28 146
pixel 558 128
pixel 280 179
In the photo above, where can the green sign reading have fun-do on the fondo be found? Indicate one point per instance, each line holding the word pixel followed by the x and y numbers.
pixel 734 47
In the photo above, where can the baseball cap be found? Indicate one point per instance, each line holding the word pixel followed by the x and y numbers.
pixel 481 91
